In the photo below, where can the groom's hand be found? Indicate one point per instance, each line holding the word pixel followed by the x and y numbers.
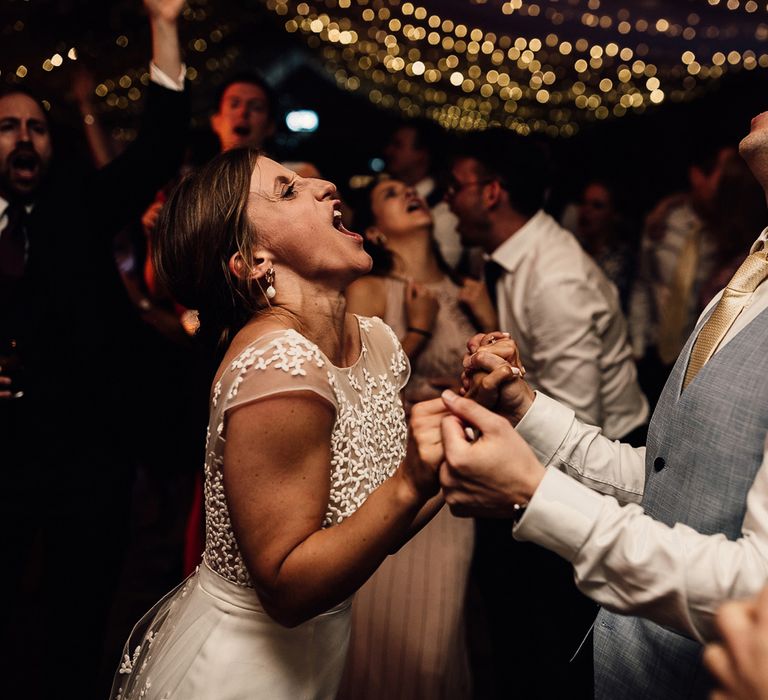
pixel 487 477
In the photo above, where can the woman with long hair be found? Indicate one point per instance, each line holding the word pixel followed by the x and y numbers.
pixel 308 485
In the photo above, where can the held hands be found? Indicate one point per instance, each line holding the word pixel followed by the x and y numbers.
pixel 420 307
pixel 740 661
pixel 493 375
pixel 491 475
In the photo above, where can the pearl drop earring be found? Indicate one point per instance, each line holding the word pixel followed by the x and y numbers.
pixel 270 277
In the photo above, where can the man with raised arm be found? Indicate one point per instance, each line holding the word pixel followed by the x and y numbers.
pixel 66 402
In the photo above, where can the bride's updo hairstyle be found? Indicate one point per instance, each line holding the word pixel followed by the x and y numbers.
pixel 203 223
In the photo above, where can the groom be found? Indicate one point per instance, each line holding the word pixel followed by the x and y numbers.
pixel 694 528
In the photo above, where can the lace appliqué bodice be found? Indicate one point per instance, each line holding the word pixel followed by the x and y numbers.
pixel 368 437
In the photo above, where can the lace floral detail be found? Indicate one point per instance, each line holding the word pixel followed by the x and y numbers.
pixel 289 353
pixel 369 432
pixel 399 363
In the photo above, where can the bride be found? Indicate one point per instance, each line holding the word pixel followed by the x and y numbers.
pixel 308 484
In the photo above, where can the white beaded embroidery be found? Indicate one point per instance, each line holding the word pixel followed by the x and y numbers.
pixel 368 437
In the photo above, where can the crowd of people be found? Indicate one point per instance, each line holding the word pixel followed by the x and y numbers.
pixel 461 442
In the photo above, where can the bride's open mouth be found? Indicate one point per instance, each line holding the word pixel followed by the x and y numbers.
pixel 338 223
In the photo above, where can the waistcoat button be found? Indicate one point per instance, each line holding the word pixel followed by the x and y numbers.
pixel 659 464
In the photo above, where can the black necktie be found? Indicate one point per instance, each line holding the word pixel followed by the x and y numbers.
pixel 493 271
pixel 13 242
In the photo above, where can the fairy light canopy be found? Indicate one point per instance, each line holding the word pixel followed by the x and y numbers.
pixel 538 66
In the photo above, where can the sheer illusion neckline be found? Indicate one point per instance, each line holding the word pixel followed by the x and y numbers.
pixel 293 331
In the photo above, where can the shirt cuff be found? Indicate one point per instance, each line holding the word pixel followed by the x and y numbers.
pixel 560 516
pixel 545 425
pixel 162 79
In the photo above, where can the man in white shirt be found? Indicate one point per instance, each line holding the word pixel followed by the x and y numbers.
pixel 566 318
pixel 557 304
pixel 660 535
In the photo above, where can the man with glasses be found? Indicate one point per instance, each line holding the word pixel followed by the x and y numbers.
pixel 565 317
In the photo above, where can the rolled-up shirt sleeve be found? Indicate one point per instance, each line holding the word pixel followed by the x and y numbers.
pixel 622 558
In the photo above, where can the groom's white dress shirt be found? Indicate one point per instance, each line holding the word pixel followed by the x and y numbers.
pixel 624 559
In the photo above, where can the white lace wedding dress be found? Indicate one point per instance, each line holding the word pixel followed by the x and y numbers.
pixel 210 638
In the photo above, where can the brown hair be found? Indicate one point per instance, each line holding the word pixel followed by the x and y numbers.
pixel 203 223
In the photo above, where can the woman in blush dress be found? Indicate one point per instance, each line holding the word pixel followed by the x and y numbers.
pixel 308 485
pixel 408 623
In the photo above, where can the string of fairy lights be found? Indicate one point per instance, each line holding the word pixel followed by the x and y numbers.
pixel 408 57
pixel 545 66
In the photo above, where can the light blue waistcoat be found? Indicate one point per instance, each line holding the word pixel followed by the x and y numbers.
pixel 711 440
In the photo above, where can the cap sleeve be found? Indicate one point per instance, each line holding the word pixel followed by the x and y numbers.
pixel 274 364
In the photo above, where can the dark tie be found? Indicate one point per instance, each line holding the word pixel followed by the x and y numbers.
pixel 493 271
pixel 13 241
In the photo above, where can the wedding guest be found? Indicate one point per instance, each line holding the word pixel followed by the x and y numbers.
pixel 659 536
pixel 393 651
pixel 549 294
pixel 67 405
pixel 565 316
pixel 308 484
pixel 677 255
pixel 607 236
pixel 246 111
pixel 412 155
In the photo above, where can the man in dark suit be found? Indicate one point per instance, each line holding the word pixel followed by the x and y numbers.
pixel 66 404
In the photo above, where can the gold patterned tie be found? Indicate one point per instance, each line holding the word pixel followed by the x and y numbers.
pixel 735 296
